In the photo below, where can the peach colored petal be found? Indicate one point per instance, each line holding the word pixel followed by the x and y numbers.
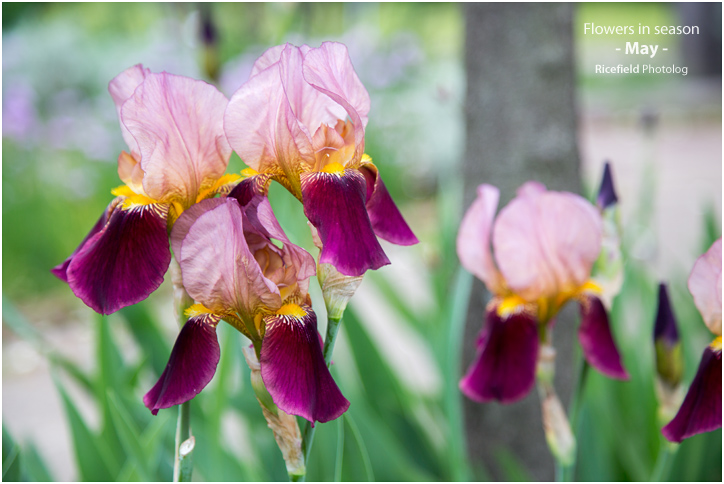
pixel 705 286
pixel 546 243
pixel 473 242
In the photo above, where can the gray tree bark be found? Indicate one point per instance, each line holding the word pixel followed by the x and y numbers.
pixel 520 122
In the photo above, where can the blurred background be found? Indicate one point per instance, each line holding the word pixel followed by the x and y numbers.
pixel 73 381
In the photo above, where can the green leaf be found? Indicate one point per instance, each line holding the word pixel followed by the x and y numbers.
pixel 148 335
pixel 130 436
pixel 11 458
pixel 34 468
pixel 513 470
pixel 93 457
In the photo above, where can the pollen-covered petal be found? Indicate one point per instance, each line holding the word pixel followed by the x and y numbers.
pixel 263 130
pixel 701 409
pixel 705 286
pixel 217 267
pixel 125 261
pixel 504 369
pixel 121 88
pixel 386 219
pixel 546 242
pixel 61 270
pixel 335 204
pixel 473 241
pixel 293 368
pixel 178 125
pixel 191 366
pixel 596 340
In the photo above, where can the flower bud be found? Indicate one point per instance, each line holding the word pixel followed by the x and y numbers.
pixel 669 362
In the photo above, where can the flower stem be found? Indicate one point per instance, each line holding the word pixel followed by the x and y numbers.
pixel 566 473
pixel 185 442
pixel 664 461
pixel 183 464
pixel 307 429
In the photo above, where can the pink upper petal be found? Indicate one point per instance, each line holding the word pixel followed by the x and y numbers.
pixel 705 286
pixel 262 128
pixel 545 243
pixel 311 107
pixel 178 125
pixel 121 88
pixel 217 266
pixel 329 70
pixel 473 242
pixel 269 57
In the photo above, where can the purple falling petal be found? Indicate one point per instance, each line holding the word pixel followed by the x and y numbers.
pixel 335 205
pixel 595 337
pixel 293 369
pixel 385 217
pixel 507 353
pixel 191 366
pixel 61 270
pixel 701 410
pixel 250 188
pixel 124 262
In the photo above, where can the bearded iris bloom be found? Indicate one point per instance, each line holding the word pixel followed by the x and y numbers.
pixel 235 273
pixel 173 127
pixel 300 120
pixel 544 245
pixel 701 409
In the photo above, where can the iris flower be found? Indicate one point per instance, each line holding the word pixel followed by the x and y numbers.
pixel 701 409
pixel 234 272
pixel 300 120
pixel 544 245
pixel 173 127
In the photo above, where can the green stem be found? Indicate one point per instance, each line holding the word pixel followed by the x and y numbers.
pixel 183 464
pixel 664 461
pixel 566 473
pixel 307 429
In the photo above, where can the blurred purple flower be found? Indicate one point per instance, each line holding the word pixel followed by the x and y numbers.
pixel 545 244
pixel 20 118
pixel 701 409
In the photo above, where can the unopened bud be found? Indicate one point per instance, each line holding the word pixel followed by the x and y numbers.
pixel 669 361
pixel 556 427
pixel 284 426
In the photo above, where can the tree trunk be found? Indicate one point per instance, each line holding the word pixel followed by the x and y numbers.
pixel 520 119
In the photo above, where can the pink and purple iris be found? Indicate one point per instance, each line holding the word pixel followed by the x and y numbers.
pixel 300 120
pixel 173 127
pixel 544 244
pixel 234 272
pixel 701 409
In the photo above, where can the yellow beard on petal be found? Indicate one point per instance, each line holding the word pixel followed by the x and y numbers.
pixel 716 344
pixel 292 310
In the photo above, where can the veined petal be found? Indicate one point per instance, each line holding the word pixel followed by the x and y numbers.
pixel 262 128
pixel 61 270
pixel 124 262
pixel 178 125
pixel 504 369
pixel 386 219
pixel 705 286
pixel 596 340
pixel 473 242
pixel 545 243
pixel 121 88
pixel 701 409
pixel 217 267
pixel 268 58
pixel 191 366
pixel 329 70
pixel 335 204
pixel 293 368
pixel 311 107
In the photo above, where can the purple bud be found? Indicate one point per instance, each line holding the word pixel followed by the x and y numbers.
pixel 607 192
pixel 665 326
